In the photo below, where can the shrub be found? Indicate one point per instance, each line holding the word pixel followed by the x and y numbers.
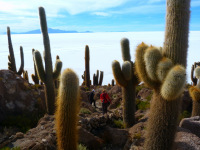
pixel 119 123
pixel 82 147
pixel 85 111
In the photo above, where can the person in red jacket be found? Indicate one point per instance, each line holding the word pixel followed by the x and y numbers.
pixel 105 99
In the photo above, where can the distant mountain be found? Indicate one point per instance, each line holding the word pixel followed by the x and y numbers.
pixel 50 30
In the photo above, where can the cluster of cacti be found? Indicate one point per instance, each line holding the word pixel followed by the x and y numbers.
pixel 96 79
pixel 67 111
pixel 126 78
pixel 87 66
pixel 11 56
pixel 25 75
pixel 164 71
pixel 195 94
pixel 47 75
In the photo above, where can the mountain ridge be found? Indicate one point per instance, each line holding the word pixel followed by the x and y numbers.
pixel 50 30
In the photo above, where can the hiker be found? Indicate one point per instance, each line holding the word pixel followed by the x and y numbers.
pixel 105 99
pixel 91 98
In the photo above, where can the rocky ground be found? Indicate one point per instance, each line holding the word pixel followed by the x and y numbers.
pixel 96 131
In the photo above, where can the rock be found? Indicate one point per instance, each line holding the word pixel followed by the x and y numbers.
pixel 185 140
pixel 144 93
pixel 116 137
pixel 115 102
pixel 186 104
pixel 18 97
pixel 192 124
pixel 115 90
pixel 86 138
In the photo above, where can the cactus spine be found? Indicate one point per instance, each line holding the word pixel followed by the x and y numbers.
pixel 126 78
pixel 11 56
pixel 164 113
pixel 47 75
pixel 87 66
pixel 67 110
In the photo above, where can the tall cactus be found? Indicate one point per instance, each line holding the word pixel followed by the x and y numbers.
pixel 47 75
pixel 195 94
pixel 87 66
pixel 11 56
pixel 167 77
pixel 95 78
pixel 101 78
pixel 126 78
pixel 35 77
pixel 67 110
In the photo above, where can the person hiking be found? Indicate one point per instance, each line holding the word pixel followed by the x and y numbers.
pixel 105 99
pixel 91 98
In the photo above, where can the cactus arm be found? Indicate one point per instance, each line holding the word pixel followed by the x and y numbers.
pixel 39 65
pixel 194 79
pixel 34 77
pixel 12 57
pixel 47 49
pixel 118 75
pixel 21 69
pixel 140 66
pixel 57 69
pixel 125 49
pixel 174 83
pixel 127 70
pixel 151 57
pixel 67 110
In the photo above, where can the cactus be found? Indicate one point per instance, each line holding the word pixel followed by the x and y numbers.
pixel 35 77
pixel 47 76
pixel 167 76
pixel 195 94
pixel 67 110
pixel 11 56
pixel 87 66
pixel 101 78
pixel 113 82
pixel 95 78
pixel 126 78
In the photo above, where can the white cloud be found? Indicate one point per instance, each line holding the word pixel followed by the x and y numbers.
pixel 101 14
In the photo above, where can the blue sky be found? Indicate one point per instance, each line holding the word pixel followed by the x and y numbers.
pixel 91 15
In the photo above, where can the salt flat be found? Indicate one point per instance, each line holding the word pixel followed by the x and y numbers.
pixel 104 48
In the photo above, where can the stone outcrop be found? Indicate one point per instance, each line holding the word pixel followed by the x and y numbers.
pixel 18 97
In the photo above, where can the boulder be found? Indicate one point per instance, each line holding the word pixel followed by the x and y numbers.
pixel 192 124
pixel 185 140
pixel 18 97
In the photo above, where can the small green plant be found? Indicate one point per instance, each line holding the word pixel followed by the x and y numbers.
pixel 85 111
pixel 119 123
pixel 138 88
pixel 149 97
pixel 184 114
pixel 137 136
pixel 142 105
pixel 82 147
